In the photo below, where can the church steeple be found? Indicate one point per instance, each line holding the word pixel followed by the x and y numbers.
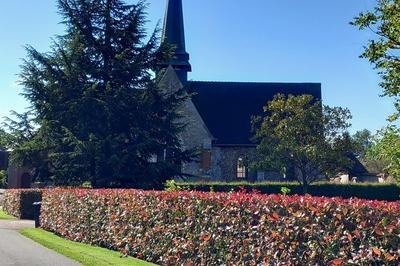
pixel 174 34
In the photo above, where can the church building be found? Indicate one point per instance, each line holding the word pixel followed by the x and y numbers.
pixel 218 116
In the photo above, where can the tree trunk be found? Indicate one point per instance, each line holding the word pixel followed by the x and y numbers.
pixel 305 187
pixel 304 181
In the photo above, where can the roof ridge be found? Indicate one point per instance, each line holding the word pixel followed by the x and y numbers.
pixel 250 82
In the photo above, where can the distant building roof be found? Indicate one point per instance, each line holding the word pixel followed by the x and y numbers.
pixel 227 107
pixel 357 168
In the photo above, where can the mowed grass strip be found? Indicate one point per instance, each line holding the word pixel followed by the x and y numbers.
pixel 5 216
pixel 83 253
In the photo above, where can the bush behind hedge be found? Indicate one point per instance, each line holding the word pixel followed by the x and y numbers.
pixel 195 228
pixel 370 191
pixel 19 202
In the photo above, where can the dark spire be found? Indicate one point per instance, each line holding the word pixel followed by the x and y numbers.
pixel 174 34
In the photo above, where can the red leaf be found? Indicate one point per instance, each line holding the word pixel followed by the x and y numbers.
pixel 205 238
pixel 389 257
pixel 275 216
pixel 379 232
pixel 376 251
pixel 357 233
pixel 349 237
pixel 337 262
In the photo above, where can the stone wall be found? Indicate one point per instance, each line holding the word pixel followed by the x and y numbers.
pixel 19 177
pixel 196 135
pixel 225 161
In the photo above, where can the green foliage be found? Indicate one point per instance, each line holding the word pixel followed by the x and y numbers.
pixel 17 130
pixel 386 148
pixel 192 228
pixel 297 131
pixel 370 191
pixel 171 185
pixel 86 185
pixel 101 115
pixel 3 179
pixel 285 190
pixel 383 51
pixel 19 202
pixel 362 142
pixel 4 139
pixel 373 165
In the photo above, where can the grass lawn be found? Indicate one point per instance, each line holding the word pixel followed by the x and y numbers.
pixel 85 254
pixel 4 216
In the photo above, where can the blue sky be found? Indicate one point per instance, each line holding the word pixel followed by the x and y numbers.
pixel 230 40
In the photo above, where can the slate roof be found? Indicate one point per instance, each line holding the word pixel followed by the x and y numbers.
pixel 227 107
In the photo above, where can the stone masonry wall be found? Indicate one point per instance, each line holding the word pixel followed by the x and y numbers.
pixel 224 163
pixel 196 134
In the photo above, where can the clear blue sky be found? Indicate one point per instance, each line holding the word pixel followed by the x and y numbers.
pixel 230 40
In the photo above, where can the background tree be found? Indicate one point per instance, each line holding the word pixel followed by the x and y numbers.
pixel 362 142
pixel 20 138
pixel 383 51
pixel 17 129
pixel 386 148
pixel 4 139
pixel 298 131
pixel 101 116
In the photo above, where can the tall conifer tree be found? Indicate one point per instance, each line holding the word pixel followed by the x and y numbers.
pixel 101 115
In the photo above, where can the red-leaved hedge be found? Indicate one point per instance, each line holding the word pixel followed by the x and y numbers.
pixel 194 228
pixel 19 202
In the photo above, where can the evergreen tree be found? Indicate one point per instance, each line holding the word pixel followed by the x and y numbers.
pixel 101 115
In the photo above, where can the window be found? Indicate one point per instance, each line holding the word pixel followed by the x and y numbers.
pixel 241 168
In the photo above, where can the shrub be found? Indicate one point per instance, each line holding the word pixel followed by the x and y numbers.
pixel 197 228
pixel 171 185
pixel 370 191
pixel 285 190
pixel 19 202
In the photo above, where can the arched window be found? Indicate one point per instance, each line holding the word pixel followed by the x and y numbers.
pixel 241 168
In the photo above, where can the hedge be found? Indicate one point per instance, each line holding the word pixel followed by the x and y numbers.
pixel 19 202
pixel 370 191
pixel 197 228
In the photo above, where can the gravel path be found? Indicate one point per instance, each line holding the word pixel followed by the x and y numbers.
pixel 18 250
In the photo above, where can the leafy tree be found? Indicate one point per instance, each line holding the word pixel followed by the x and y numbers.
pixel 383 51
pixel 100 113
pixel 362 142
pixel 386 148
pixel 297 131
